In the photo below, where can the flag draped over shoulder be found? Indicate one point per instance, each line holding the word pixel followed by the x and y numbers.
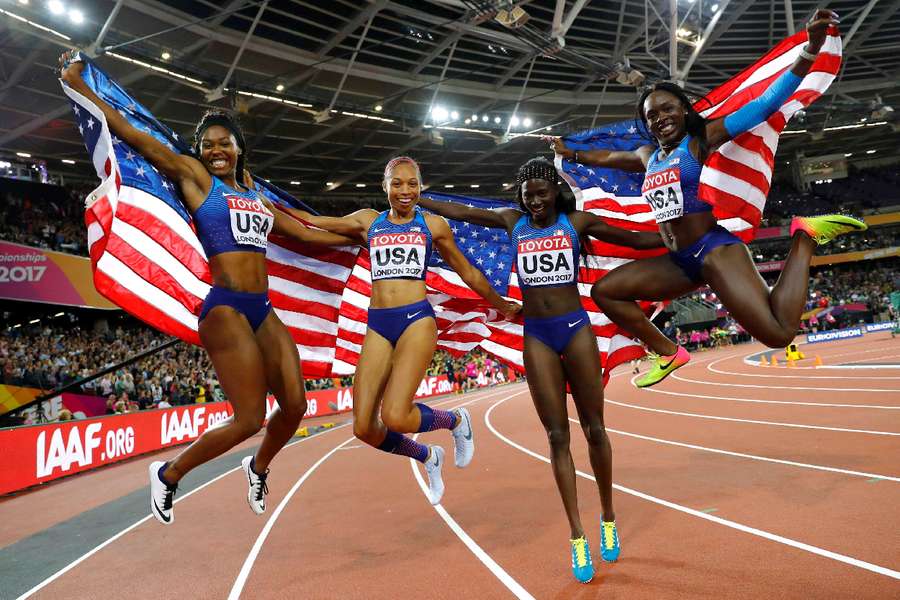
pixel 464 319
pixel 144 249
pixel 736 177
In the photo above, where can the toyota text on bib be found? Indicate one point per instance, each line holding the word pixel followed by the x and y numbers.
pixel 546 260
pixel 662 190
pixel 397 255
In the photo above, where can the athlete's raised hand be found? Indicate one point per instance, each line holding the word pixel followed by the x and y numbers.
pixel 510 310
pixel 556 144
pixel 817 28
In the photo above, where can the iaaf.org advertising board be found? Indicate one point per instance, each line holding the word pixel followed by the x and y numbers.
pixel 42 453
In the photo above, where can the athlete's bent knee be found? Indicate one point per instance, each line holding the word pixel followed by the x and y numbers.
pixel 248 426
pixel 396 419
pixel 558 438
pixel 365 432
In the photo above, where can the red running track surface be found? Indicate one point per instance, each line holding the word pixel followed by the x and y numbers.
pixel 792 490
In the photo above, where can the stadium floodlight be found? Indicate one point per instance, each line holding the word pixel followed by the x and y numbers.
pixel 448 186
pixel 295 183
pixel 485 118
pixel 23 154
pixel 68 161
pixel 475 185
pixel 360 185
pixel 526 122
pixel 56 7
pixel 76 16
pixel 165 55
pixel 454 115
pixel 439 114
pixel 279 87
pixel 378 108
pixel 497 120
pixel 514 121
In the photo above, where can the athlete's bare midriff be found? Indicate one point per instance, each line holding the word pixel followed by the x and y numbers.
pixel 240 271
pixel 682 232
pixel 397 292
pixel 550 301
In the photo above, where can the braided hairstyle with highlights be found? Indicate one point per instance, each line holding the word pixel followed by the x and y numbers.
pixel 541 168
pixel 221 118
pixel 694 123
pixel 389 168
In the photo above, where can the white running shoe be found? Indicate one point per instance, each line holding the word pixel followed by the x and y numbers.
pixel 161 495
pixel 433 465
pixel 256 495
pixel 463 439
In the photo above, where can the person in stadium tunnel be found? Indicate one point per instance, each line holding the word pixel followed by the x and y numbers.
pixel 700 250
pixel 559 341
pixel 248 345
pixel 401 335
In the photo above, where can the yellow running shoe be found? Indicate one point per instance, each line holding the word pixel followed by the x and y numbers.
pixel 663 366
pixel 609 541
pixel 582 566
pixel 825 228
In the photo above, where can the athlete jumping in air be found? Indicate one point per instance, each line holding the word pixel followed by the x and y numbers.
pixel 402 333
pixel 560 345
pixel 250 348
pixel 701 251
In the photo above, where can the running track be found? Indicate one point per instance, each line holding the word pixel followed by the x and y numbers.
pixel 732 481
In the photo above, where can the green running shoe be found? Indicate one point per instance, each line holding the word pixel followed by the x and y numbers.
pixel 827 227
pixel 663 366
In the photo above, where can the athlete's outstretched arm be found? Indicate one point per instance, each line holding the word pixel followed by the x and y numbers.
pixel 443 239
pixel 287 225
pixel 503 218
pixel 591 224
pixel 185 170
pixel 753 113
pixel 354 226
pixel 633 162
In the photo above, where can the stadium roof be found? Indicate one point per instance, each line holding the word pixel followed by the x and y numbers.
pixel 328 91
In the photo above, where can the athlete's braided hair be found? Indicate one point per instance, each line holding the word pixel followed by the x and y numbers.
pixel 228 121
pixel 398 160
pixel 541 168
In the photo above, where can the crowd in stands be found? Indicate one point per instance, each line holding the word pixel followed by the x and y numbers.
pixel 887 236
pixel 43 216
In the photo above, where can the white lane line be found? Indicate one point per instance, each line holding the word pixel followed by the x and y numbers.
pixel 784 387
pixel 789 402
pixel 849 366
pixel 244 573
pixel 701 515
pixel 103 545
pixel 499 572
pixel 750 456
pixel 238 586
pixel 747 361
pixel 753 421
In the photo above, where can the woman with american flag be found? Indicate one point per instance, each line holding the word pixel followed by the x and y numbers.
pixel 401 333
pixel 700 250
pixel 560 347
pixel 251 349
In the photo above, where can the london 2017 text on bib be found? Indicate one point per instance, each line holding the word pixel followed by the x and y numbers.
pixel 546 260
pixel 397 255
pixel 251 221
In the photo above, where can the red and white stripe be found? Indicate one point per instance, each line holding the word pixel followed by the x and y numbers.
pixel 148 260
pixel 736 178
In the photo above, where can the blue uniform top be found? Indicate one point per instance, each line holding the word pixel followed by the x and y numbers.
pixel 546 256
pixel 671 184
pixel 399 251
pixel 232 221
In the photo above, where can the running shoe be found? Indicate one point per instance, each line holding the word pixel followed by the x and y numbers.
pixel 609 541
pixel 827 227
pixel 463 439
pixel 663 366
pixel 433 465
pixel 162 495
pixel 582 567
pixel 256 495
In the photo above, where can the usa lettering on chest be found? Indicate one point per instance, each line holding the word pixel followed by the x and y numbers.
pixel 544 255
pixel 662 191
pixel 251 221
pixel 398 255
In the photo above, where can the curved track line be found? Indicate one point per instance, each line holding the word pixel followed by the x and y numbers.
pixel 750 456
pixel 103 545
pixel 755 422
pixel 238 586
pixel 789 402
pixel 710 367
pixel 719 520
pixel 755 363
pixel 499 572
pixel 784 387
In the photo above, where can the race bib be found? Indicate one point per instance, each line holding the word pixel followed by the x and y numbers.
pixel 662 190
pixel 251 221
pixel 397 255
pixel 546 260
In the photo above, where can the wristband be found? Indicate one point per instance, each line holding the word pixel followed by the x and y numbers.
pixel 804 53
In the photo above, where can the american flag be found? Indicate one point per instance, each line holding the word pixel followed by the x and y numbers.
pixel 464 319
pixel 735 179
pixel 146 256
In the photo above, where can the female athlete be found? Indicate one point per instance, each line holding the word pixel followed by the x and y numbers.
pixel 560 344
